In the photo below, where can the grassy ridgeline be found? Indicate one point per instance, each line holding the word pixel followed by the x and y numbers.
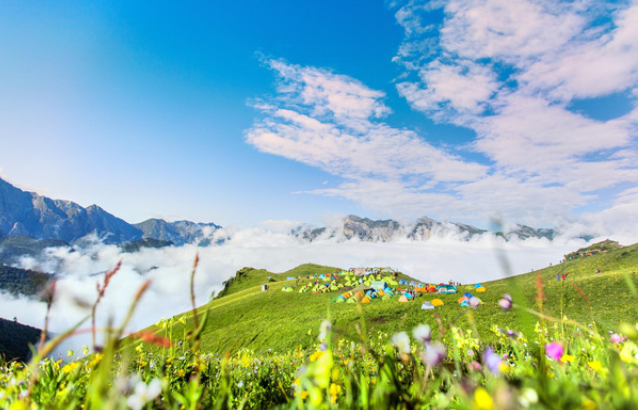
pixel 244 316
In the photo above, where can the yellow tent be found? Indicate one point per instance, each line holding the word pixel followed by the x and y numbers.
pixel 481 289
pixel 437 302
pixel 403 299
pixel 365 300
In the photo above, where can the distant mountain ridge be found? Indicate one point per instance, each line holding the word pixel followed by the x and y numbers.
pixel 369 230
pixel 179 232
pixel 27 214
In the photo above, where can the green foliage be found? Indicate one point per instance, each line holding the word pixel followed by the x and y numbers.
pixel 15 339
pixel 23 282
pixel 138 245
pixel 12 247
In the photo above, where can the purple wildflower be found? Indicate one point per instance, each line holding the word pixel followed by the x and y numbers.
pixel 506 302
pixel 492 360
pixel 434 354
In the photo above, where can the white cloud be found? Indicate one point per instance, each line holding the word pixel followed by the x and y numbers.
pixel 508 70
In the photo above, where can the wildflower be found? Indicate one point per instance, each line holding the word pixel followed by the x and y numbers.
pixel 506 302
pixel 315 356
pixel 567 358
pixel 335 389
pixel 528 397
pixel 554 350
pixel 616 338
pixel 402 342
pixel 482 399
pixel 70 353
pixel 423 333
pixel 324 329
pixel 476 365
pixel 70 367
pixel 434 354
pixel 85 350
pixel 240 384
pixel 144 394
pixel 595 365
pixel 492 360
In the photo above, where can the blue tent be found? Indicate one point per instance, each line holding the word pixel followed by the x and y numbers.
pixel 322 276
pixel 469 295
pixel 478 285
pixel 403 282
pixel 464 303
pixel 413 283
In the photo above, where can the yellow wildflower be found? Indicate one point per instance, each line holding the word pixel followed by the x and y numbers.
pixel 315 356
pixel 304 394
pixel 98 357
pixel 70 367
pixel 595 365
pixel 567 358
pixel 335 389
pixel 482 399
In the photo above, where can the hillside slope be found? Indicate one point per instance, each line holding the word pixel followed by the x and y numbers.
pixel 244 316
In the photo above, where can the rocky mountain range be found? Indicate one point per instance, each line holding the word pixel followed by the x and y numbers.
pixel 179 232
pixel 422 229
pixel 27 214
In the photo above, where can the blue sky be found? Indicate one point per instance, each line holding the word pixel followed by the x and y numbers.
pixel 247 111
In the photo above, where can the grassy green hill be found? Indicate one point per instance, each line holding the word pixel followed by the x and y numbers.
pixel 15 339
pixel 244 316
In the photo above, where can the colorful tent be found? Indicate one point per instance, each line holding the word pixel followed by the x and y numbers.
pixel 403 299
pixel 481 289
pixel 437 302
pixel 403 282
pixel 427 306
pixel 378 284
pixel 478 285
pixel 365 300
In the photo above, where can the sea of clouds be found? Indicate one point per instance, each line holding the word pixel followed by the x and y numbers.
pixel 269 246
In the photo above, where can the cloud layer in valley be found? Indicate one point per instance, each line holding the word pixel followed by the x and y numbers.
pixel 269 246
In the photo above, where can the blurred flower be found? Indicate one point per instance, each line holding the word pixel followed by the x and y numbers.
pixel 492 360
pixel 402 342
pixel 567 358
pixel 616 338
pixel 482 399
pixel 506 302
pixel 528 397
pixel 423 333
pixel 474 301
pixel 434 354
pixel 554 350
pixel 595 365
pixel 144 393
pixel 324 329
pixel 476 365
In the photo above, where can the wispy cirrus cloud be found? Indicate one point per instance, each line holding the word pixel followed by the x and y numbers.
pixel 334 122
pixel 507 70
